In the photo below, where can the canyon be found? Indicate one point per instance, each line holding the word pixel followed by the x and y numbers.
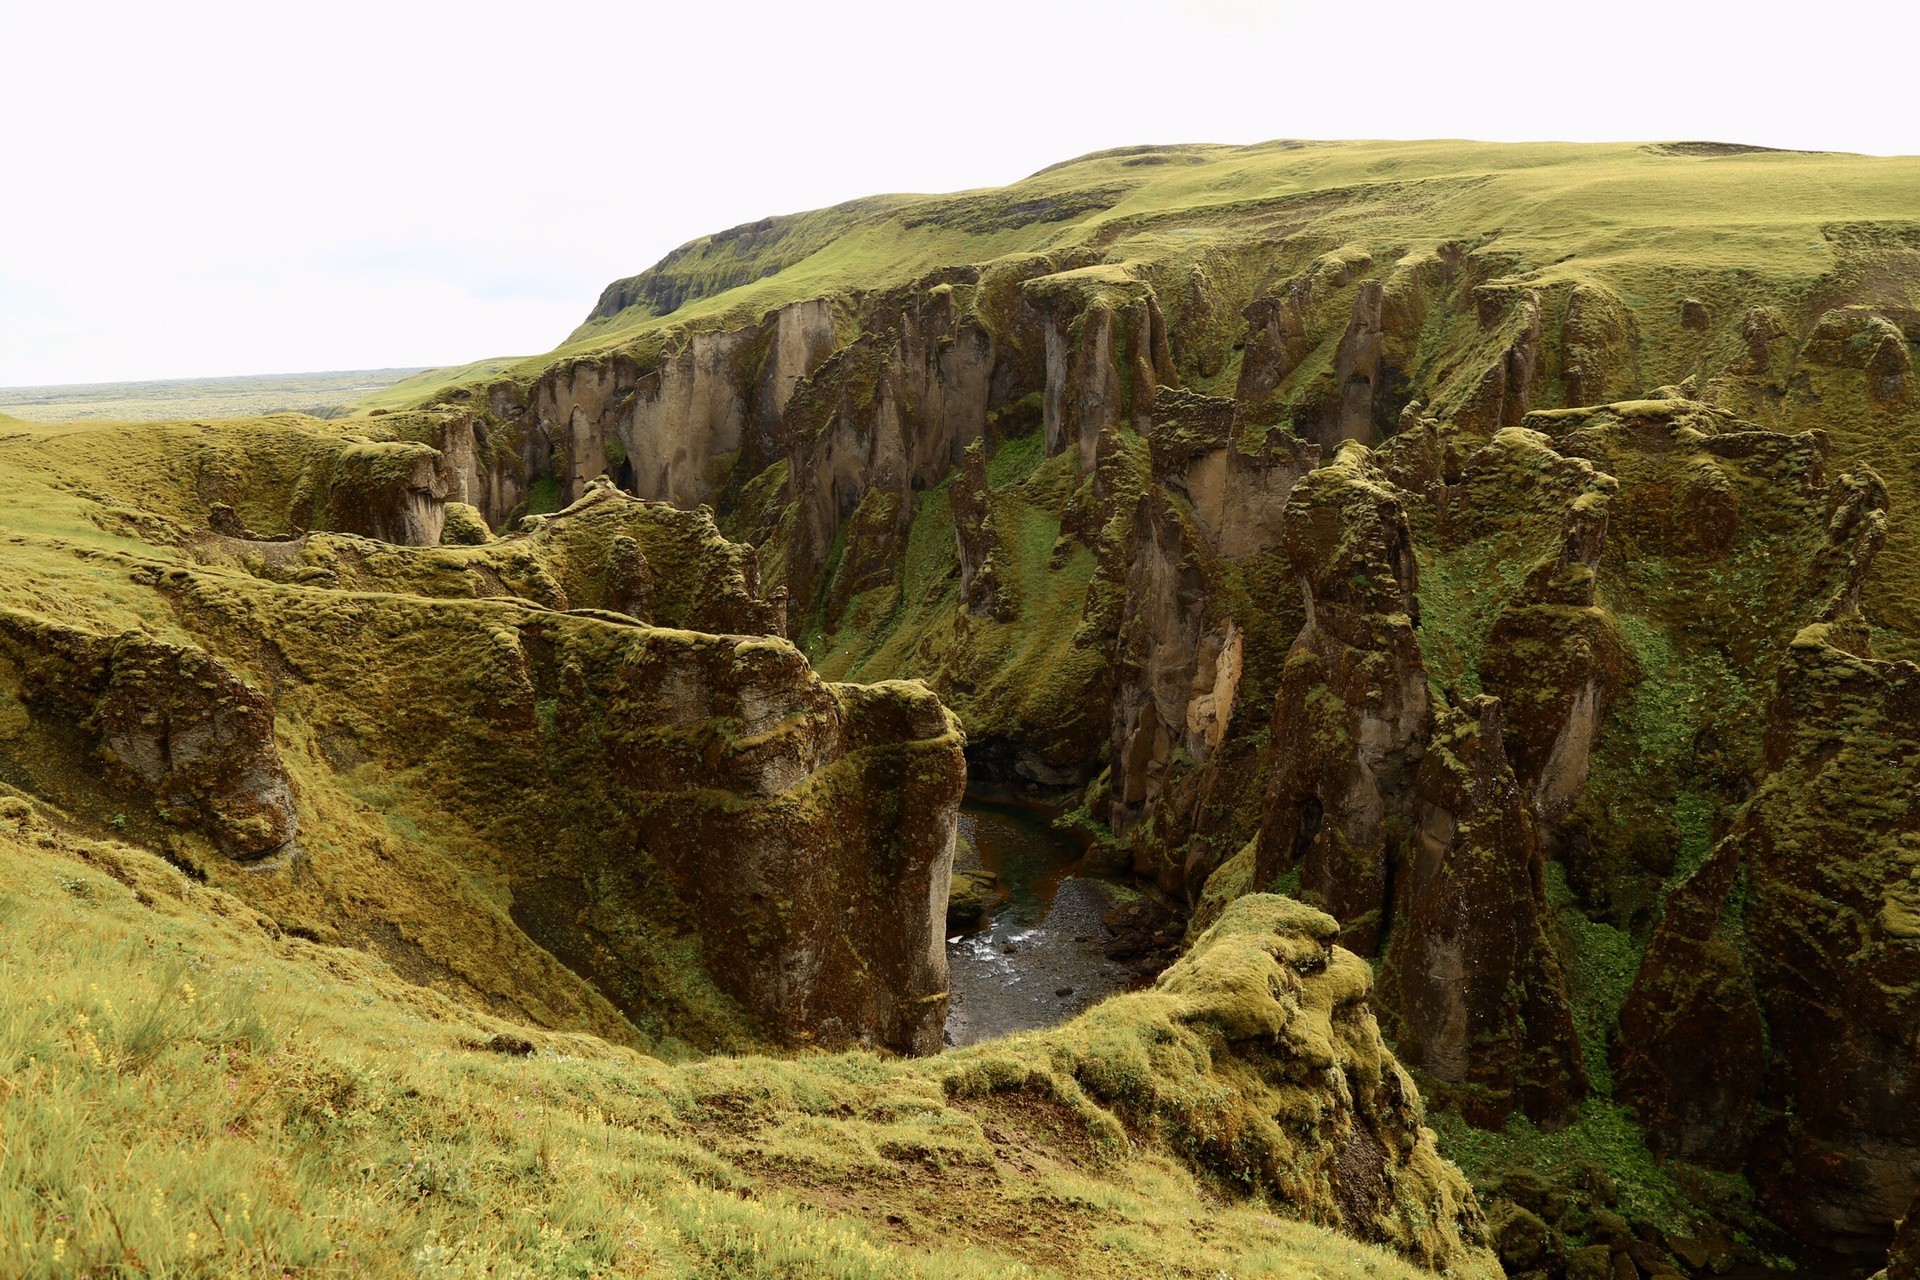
pixel 1469 595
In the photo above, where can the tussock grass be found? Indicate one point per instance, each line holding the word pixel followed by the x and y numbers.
pixel 184 1093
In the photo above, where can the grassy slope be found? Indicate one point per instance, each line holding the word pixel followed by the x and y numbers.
pixel 1625 212
pixel 185 1091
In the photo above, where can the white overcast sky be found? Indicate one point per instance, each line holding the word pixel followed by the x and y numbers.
pixel 196 189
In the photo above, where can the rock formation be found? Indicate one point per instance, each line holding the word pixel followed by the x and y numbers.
pixel 1351 712
pixel 167 723
pixel 1266 985
pixel 1472 982
pixel 1775 1010
pixel 1285 515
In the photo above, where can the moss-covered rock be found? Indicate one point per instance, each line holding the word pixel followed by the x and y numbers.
pixel 169 724
pixel 1472 985
pixel 1352 709
pixel 1772 1015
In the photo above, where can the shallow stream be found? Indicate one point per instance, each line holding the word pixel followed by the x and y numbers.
pixel 1045 936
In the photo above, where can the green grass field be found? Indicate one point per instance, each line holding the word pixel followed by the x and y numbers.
pixel 323 395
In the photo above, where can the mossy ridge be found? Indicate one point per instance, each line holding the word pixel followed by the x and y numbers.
pixel 150 1004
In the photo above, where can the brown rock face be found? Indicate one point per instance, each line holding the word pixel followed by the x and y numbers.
pixel 1474 987
pixel 170 723
pixel 1238 494
pixel 1083 395
pixel 1557 661
pixel 697 825
pixel 391 492
pixel 1821 948
pixel 1283 328
pixel 1351 710
pixel 1177 665
pixel 1357 368
pixel 1692 1048
pixel 981 585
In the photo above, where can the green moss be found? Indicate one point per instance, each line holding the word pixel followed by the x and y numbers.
pixel 543 496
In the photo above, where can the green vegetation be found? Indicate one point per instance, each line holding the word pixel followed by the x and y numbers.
pixel 322 395
pixel 190 1091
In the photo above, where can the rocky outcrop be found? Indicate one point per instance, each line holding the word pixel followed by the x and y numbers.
pixel 1861 340
pixel 1256 1056
pixel 1083 386
pixel 892 412
pixel 1283 327
pixel 1356 368
pixel 1556 660
pixel 167 723
pixel 1351 711
pixel 1503 395
pixel 1597 350
pixel 982 585
pixel 1238 493
pixel 608 551
pixel 1775 1009
pixel 1473 986
pixel 714 837
pixel 1176 666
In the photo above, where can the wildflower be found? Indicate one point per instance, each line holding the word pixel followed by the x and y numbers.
pixel 59 1248
pixel 187 992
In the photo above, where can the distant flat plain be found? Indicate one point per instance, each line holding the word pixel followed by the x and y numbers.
pixel 324 395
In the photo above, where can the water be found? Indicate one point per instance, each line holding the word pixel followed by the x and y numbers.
pixel 1045 936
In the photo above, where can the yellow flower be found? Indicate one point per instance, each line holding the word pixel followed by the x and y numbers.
pixel 187 992
pixel 59 1249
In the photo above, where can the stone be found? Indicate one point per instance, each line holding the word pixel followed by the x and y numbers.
pixel 1351 709
pixel 167 722
pixel 1471 984
pixel 970 896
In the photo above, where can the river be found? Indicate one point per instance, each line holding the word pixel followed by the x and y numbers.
pixel 1037 959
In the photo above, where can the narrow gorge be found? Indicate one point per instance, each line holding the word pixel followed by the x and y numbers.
pixel 1459 640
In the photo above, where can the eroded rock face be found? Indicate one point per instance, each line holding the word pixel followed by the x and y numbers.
pixel 1238 496
pixel 1351 710
pixel 1474 987
pixel 681 819
pixel 1780 1020
pixel 1556 658
pixel 169 723
pixel 390 491
pixel 982 585
pixel 608 551
pixel 1504 394
pixel 1177 665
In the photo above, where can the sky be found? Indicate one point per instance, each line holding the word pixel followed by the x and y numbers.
pixel 197 189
